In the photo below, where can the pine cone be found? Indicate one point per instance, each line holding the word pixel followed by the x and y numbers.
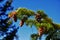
pixel 41 30
pixel 21 23
pixel 38 17
pixel 15 18
pixel 12 14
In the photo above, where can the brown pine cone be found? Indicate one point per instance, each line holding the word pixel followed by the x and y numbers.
pixel 15 18
pixel 21 23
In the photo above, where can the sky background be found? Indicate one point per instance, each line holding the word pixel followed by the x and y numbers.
pixel 50 7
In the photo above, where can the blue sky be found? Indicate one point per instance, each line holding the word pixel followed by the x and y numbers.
pixel 50 7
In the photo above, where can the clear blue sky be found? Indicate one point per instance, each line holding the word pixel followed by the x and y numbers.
pixel 51 8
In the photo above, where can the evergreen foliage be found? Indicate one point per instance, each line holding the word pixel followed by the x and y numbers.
pixel 39 19
pixel 7 30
